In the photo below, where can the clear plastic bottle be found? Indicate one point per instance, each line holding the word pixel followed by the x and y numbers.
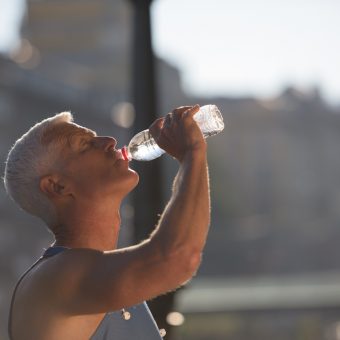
pixel 143 147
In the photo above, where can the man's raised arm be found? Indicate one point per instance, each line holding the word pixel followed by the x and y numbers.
pixel 185 221
pixel 170 257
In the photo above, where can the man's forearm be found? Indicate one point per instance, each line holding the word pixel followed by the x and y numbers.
pixel 184 224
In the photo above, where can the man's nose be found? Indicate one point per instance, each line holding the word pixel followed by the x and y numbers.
pixel 106 142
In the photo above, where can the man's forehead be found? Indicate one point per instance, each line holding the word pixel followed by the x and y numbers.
pixel 65 130
pixel 73 127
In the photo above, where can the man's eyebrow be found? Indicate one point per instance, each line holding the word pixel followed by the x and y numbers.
pixel 91 133
pixel 84 132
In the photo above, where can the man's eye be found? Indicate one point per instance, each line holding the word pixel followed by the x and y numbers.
pixel 84 145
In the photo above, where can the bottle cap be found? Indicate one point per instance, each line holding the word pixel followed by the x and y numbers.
pixel 125 153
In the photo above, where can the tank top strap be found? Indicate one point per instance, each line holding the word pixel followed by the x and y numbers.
pixel 54 250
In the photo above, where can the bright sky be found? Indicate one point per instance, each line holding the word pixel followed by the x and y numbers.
pixel 256 47
pixel 238 47
pixel 11 12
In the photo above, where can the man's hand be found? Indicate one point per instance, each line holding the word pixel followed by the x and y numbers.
pixel 178 133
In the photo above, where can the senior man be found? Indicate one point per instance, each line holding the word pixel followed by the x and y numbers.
pixel 83 287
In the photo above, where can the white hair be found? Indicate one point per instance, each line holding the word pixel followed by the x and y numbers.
pixel 28 160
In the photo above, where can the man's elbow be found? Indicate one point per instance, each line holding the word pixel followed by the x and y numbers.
pixel 186 264
pixel 194 262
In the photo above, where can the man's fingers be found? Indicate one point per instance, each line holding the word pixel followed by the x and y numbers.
pixel 181 109
pixel 174 116
pixel 192 110
pixel 168 119
pixel 156 126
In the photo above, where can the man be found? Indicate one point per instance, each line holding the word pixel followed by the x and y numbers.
pixel 83 287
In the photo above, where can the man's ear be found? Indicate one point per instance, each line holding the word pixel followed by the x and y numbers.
pixel 54 187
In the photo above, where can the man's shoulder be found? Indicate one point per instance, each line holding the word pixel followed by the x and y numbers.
pixel 44 284
pixel 48 274
pixel 38 280
pixel 42 293
pixel 62 267
pixel 32 294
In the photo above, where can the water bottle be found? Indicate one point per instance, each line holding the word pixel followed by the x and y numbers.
pixel 143 147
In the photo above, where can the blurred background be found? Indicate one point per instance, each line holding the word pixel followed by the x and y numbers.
pixel 271 269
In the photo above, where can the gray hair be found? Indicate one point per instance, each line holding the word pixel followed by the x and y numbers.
pixel 28 160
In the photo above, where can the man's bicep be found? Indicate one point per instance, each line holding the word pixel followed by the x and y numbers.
pixel 110 281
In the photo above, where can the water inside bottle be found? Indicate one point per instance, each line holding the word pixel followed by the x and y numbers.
pixel 143 147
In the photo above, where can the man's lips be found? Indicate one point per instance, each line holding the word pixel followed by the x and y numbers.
pixel 118 154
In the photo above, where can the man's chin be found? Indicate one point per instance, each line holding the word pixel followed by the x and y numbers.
pixel 136 181
pixel 132 181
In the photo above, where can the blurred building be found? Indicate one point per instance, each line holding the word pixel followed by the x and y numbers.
pixel 74 56
pixel 279 201
pixel 84 45
pixel 274 171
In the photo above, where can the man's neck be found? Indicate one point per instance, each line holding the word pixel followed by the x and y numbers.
pixel 90 228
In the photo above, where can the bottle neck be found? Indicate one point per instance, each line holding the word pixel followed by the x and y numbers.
pixel 125 153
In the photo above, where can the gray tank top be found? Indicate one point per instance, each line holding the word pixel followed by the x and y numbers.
pixel 141 325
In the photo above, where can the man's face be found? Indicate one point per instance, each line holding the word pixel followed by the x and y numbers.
pixel 92 165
